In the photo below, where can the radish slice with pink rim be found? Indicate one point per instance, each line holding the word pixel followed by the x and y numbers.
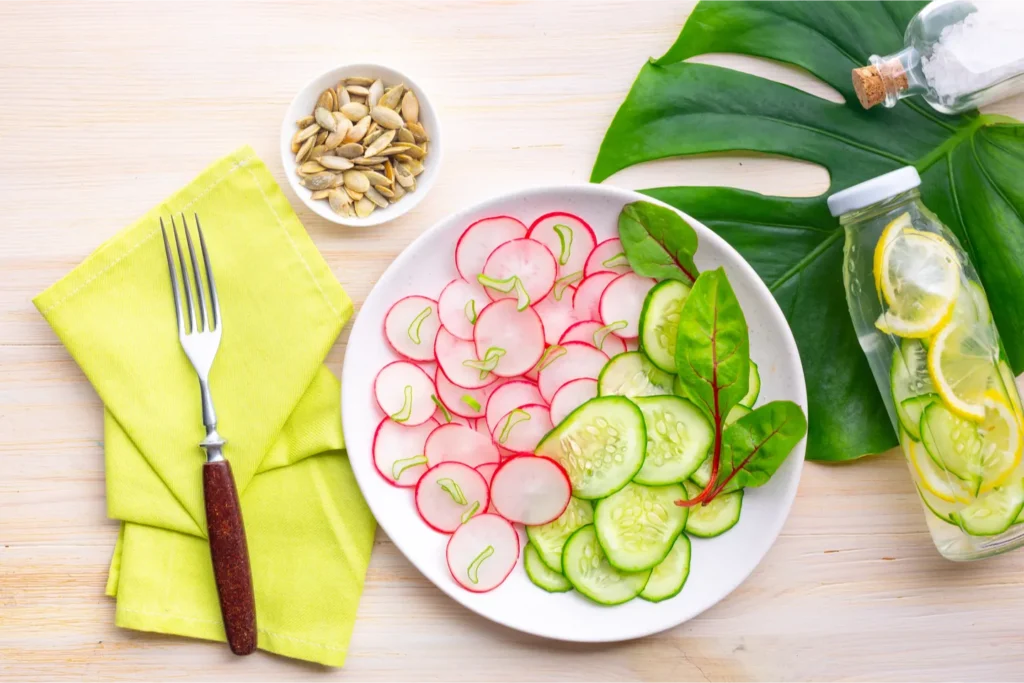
pixel 468 403
pixel 403 391
pixel 460 443
pixel 487 470
pixel 450 494
pixel 578 361
pixel 411 326
pixel 556 315
pixel 508 397
pixel 521 429
pixel 459 305
pixel 531 489
pixel 597 335
pixel 568 237
pixel 523 270
pixel 571 396
pixel 480 239
pixel 483 552
pixel 608 257
pixel 399 453
pixel 587 299
pixel 508 341
pixel 622 301
pixel 453 354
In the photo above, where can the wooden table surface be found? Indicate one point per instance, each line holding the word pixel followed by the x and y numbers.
pixel 106 108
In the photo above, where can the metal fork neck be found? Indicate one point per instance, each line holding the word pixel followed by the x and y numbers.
pixel 213 444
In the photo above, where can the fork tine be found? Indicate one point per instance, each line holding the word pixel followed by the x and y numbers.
pixel 215 304
pixel 185 280
pixel 204 321
pixel 174 279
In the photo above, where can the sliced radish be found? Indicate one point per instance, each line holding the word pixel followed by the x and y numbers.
pixel 522 428
pixel 459 305
pixel 468 403
pixel 568 237
pixel 460 443
pixel 608 256
pixel 509 397
pixel 622 301
pixel 398 451
pixel 531 489
pixel 578 361
pixel 523 270
pixel 443 416
pixel 571 396
pixel 480 239
pixel 453 354
pixel 557 315
pixel 597 335
pixel 587 299
pixel 483 552
pixel 449 494
pixel 411 325
pixel 403 391
pixel 487 470
pixel 508 341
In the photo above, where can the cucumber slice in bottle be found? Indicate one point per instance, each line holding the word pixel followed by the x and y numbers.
pixel 588 570
pixel 669 576
pixel 1009 387
pixel 994 512
pixel 678 439
pixel 659 323
pixel 941 509
pixel 953 444
pixel 637 525
pixel 908 378
pixel 601 445
pixel 753 386
pixel 542 575
pixel 549 539
pixel 715 518
pixel 911 410
pixel 631 374
pixel 703 474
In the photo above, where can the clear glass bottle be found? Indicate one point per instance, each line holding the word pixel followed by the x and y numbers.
pixel 923 320
pixel 958 55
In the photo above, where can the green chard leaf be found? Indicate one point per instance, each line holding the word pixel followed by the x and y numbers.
pixel 658 242
pixel 756 445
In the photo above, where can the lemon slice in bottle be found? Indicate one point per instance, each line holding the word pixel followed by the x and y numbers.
pixel 919 278
pixel 891 232
pixel 962 362
pixel 1002 445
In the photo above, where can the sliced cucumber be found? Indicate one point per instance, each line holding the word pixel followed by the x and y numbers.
pixel 542 575
pixel 938 507
pixel 994 512
pixel 703 474
pixel 549 539
pixel 659 323
pixel 753 386
pixel 909 378
pixel 1009 387
pixel 678 439
pixel 637 525
pixel 669 577
pixel 589 571
pixel 631 374
pixel 601 445
pixel 715 518
pixel 953 444
pixel 911 410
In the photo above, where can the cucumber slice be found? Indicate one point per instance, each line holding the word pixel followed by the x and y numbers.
pixel 588 570
pixel 703 474
pixel 938 507
pixel 753 386
pixel 715 518
pixel 637 525
pixel 911 410
pixel 908 378
pixel 953 444
pixel 669 577
pixel 659 323
pixel 1009 387
pixel 601 445
pixel 542 575
pixel 994 512
pixel 549 539
pixel 678 439
pixel 631 374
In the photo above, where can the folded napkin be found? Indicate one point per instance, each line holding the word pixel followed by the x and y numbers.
pixel 308 528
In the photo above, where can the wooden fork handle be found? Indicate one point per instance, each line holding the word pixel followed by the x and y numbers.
pixel 230 555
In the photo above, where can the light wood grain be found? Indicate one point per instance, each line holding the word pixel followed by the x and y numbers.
pixel 106 108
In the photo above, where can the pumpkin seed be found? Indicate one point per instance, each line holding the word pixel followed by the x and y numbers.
pixel 368 161
pixel 342 97
pixel 410 107
pixel 360 90
pixel 358 80
pixel 405 135
pixel 356 133
pixel 384 191
pixel 381 142
pixel 374 93
pixel 306 133
pixel 335 163
pixel 339 181
pixel 326 119
pixel 371 136
pixel 319 181
pixel 376 198
pixel 364 207
pixel 337 199
pixel 305 121
pixel 376 178
pixel 356 196
pixel 419 133
pixel 392 97
pixel 415 152
pixel 356 181
pixel 321 137
pixel 327 100
pixel 415 166
pixel 317 152
pixel 304 150
pixel 387 118
pixel 389 171
pixel 310 167
pixel 320 194
pixel 399 191
pixel 404 176
pixel 354 111
pixel 350 150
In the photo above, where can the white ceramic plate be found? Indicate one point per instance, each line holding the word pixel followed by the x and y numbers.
pixel 718 565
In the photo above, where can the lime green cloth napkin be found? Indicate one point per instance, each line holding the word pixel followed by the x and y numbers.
pixel 308 528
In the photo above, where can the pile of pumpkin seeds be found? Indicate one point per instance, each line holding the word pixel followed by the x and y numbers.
pixel 362 147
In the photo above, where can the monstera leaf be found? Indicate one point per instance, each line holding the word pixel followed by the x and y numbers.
pixel 971 167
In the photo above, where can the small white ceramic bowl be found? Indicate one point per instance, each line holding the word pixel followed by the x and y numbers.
pixel 302 105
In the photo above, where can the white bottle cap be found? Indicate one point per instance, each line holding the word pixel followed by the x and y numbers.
pixel 875 190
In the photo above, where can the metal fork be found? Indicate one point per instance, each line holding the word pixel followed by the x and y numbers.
pixel 199 331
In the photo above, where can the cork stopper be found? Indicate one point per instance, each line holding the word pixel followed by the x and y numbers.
pixel 870 82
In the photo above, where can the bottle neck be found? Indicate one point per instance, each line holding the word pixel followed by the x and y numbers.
pixel 900 75
pixel 853 219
